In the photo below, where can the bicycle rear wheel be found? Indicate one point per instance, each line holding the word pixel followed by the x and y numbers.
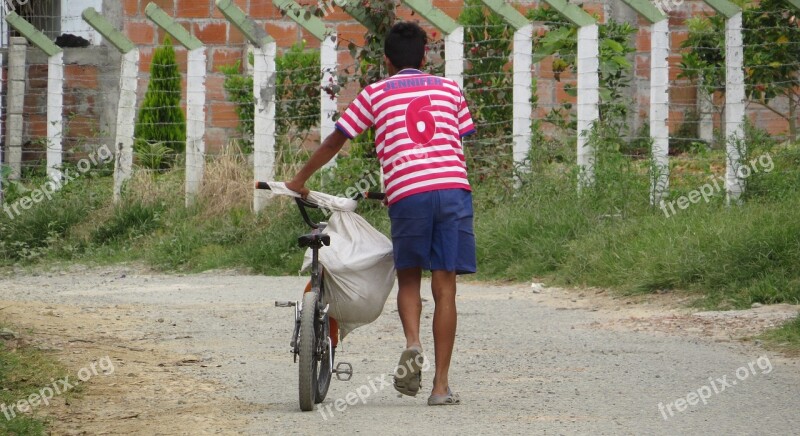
pixel 324 371
pixel 307 358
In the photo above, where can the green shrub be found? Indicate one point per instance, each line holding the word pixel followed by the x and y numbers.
pixel 297 105
pixel 161 120
pixel 298 89
pixel 239 89
pixel 770 58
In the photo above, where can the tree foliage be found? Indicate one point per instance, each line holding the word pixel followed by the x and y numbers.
pixel 771 56
pixel 161 123
pixel 297 93
pixel 298 89
pixel 561 42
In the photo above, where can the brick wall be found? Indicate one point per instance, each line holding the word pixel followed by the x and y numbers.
pixel 90 102
pixel 88 87
pixel 226 46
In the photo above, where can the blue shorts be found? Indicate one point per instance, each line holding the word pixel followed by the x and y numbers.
pixel 433 230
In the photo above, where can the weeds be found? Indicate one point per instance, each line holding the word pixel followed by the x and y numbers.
pixel 24 371
pixel 785 338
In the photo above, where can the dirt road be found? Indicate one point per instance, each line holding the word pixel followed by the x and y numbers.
pixel 209 354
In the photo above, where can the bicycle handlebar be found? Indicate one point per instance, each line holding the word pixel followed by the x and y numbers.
pixel 303 204
pixel 379 196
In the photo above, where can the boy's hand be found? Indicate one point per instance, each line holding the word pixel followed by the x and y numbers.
pixel 298 187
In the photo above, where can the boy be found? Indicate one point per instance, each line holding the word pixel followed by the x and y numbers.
pixel 419 121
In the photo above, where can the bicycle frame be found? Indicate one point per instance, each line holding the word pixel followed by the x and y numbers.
pixel 311 339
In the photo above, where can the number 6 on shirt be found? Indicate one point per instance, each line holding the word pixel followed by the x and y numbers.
pixel 420 121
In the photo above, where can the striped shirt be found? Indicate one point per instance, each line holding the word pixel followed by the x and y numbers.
pixel 419 121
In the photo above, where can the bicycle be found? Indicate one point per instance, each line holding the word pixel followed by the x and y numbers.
pixel 312 342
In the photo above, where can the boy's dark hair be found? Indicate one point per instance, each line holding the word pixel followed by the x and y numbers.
pixel 405 45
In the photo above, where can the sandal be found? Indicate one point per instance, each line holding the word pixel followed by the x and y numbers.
pixel 408 381
pixel 448 399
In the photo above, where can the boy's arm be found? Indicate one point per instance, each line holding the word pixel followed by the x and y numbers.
pixel 326 151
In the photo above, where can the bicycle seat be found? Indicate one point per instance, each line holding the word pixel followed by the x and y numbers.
pixel 314 240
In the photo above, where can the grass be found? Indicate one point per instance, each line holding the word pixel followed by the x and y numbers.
pixel 24 371
pixel 785 338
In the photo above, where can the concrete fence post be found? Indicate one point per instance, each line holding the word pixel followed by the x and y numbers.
pixel 735 149
pixel 522 93
pixel 195 98
pixel 55 93
pixel 588 101
pixel 659 110
pixel 17 58
pixel 264 77
pixel 128 86
pixel 329 60
pixel 659 96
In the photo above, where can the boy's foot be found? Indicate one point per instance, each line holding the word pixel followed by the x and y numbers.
pixel 408 375
pixel 448 399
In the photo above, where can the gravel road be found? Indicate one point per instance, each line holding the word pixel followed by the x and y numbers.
pixel 540 361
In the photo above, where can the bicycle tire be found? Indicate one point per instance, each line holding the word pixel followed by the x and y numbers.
pixel 324 372
pixel 308 345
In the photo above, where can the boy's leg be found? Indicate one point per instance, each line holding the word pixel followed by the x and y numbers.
pixel 445 319
pixel 409 303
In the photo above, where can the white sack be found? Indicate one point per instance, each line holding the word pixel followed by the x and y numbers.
pixel 359 270
pixel 359 265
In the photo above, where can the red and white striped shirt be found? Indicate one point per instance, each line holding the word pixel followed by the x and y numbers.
pixel 419 121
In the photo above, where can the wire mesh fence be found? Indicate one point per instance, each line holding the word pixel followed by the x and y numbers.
pixel 697 86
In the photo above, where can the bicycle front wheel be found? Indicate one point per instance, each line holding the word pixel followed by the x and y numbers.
pixel 308 346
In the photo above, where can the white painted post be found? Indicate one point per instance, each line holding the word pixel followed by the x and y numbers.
pixel 659 109
pixel 71 21
pixel 195 122
pixel 15 96
pixel 265 51
pixel 196 71
pixel 523 90
pixel 329 59
pixel 454 56
pixel 264 77
pixel 126 118
pixel 55 116
pixel 128 87
pixel 736 148
pixel 588 100
pixel 705 113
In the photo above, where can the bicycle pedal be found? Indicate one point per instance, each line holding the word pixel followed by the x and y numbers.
pixel 343 374
pixel 285 303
